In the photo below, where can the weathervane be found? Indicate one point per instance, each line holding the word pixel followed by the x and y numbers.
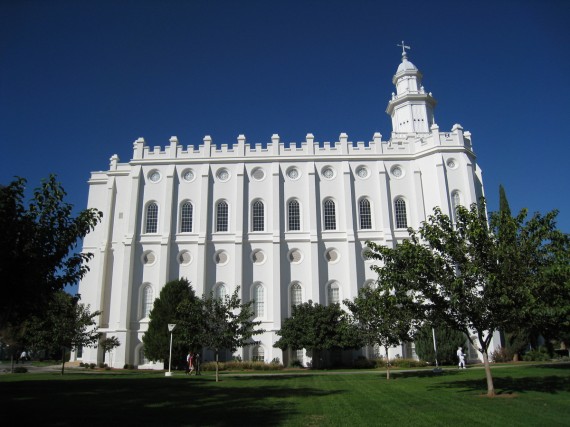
pixel 404 47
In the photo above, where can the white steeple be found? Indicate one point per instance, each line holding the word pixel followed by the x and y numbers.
pixel 411 108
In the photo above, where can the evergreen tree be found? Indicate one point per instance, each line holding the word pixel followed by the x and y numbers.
pixel 157 338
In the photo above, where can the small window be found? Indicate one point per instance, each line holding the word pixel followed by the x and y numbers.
pixel 293 216
pixel 258 300
pixel 258 216
pixel 329 210
pixel 220 291
pixel 258 354
pixel 401 214
pixel 151 224
pixel 222 216
pixel 455 202
pixel 147 301
pixel 333 293
pixel 186 217
pixel 365 214
pixel 296 294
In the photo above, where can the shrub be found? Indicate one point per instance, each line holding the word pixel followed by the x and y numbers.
pixel 241 366
pixel 537 355
pixel 128 366
pixel 407 363
pixel 501 355
pixel 20 370
pixel 92 365
pixel 362 362
pixel 296 364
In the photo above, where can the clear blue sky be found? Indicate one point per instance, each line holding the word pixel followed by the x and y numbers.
pixel 81 80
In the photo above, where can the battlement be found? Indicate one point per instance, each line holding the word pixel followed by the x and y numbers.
pixel 399 143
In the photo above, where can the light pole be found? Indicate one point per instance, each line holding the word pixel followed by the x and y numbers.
pixel 437 368
pixel 171 327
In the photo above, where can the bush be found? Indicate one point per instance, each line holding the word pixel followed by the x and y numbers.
pixel 92 365
pixel 407 363
pixel 362 362
pixel 128 366
pixel 501 355
pixel 537 355
pixel 20 370
pixel 296 364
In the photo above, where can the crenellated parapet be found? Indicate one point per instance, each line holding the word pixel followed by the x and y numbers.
pixel 400 143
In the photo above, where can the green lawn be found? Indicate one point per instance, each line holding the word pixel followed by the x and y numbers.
pixel 528 395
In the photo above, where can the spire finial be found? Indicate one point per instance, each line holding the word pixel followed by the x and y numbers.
pixel 404 47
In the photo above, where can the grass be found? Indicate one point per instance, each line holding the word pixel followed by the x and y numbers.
pixel 527 395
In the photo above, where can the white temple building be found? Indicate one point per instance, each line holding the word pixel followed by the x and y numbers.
pixel 287 223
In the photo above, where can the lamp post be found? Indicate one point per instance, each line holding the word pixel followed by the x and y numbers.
pixel 171 327
pixel 437 368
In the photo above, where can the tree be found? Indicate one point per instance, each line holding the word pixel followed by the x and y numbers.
pixel 66 324
pixel 317 328
pixel 227 324
pixel 381 320
pixel 471 277
pixel 157 338
pixel 36 247
pixel 109 344
pixel 447 340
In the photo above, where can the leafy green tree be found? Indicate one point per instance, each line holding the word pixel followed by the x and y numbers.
pixel 36 247
pixel 317 328
pixel 227 324
pixel 470 277
pixel 447 341
pixel 381 320
pixel 109 344
pixel 66 324
pixel 164 311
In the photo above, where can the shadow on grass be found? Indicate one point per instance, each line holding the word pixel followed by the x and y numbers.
pixel 423 374
pixel 509 385
pixel 150 401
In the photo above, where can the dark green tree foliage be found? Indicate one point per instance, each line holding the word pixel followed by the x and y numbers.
pixel 65 324
pixel 381 319
pixel 157 338
pixel 316 328
pixel 473 277
pixel 227 324
pixel 36 244
pixel 447 341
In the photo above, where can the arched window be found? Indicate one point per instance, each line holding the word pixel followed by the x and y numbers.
pixel 296 294
pixel 455 202
pixel 220 291
pixel 222 216
pixel 143 360
pixel 329 215
pixel 258 300
pixel 400 212
pixel 258 216
pixel 258 354
pixel 293 216
pixel 186 212
pixel 333 296
pixel 147 301
pixel 365 214
pixel 151 224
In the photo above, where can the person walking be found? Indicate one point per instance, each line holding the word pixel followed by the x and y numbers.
pixel 461 357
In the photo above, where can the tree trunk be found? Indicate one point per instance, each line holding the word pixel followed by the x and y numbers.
pixel 387 364
pixel 62 360
pixel 490 386
pixel 217 378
